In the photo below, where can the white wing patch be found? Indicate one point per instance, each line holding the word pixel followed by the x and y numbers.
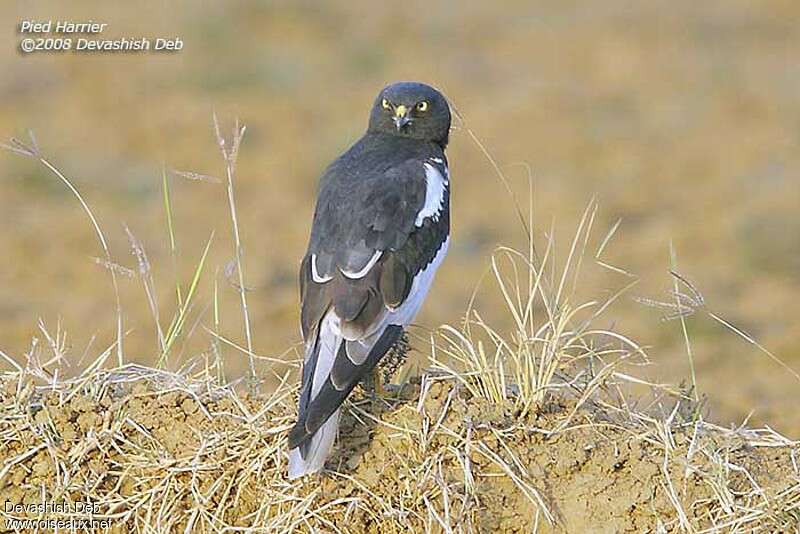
pixel 363 272
pixel 405 313
pixel 436 186
pixel 315 274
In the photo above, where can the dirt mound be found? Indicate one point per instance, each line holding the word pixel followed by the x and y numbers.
pixel 151 450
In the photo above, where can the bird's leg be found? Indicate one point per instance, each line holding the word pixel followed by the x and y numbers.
pixel 377 383
pixel 372 386
pixel 393 361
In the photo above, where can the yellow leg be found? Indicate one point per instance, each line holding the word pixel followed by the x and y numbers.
pixel 377 383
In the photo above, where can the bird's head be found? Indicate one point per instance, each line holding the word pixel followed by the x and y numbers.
pixel 411 109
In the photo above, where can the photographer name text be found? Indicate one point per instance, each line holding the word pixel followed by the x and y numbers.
pixel 84 37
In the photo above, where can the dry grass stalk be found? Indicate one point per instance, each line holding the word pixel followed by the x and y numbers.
pixel 31 150
pixel 230 155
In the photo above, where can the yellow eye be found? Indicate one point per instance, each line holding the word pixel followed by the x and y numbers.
pixel 385 103
pixel 422 106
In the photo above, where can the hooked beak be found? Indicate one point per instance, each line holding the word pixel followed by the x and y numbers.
pixel 401 117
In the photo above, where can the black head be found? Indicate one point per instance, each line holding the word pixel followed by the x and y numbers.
pixel 411 109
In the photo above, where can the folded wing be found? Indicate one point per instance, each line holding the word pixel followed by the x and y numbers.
pixel 375 245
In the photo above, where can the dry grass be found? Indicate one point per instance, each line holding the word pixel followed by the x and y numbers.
pixel 594 97
pixel 524 430
pixel 180 452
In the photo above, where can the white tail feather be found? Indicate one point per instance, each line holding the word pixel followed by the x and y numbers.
pixel 321 445
pixel 321 442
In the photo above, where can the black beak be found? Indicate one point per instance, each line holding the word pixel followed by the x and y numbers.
pixel 400 122
pixel 401 117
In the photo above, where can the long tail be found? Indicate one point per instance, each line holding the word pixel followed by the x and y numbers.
pixel 328 363
pixel 310 456
pixel 315 451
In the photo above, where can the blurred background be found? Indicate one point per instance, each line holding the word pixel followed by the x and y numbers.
pixel 681 117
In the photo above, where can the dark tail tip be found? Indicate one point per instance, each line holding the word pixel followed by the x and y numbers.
pixel 298 435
